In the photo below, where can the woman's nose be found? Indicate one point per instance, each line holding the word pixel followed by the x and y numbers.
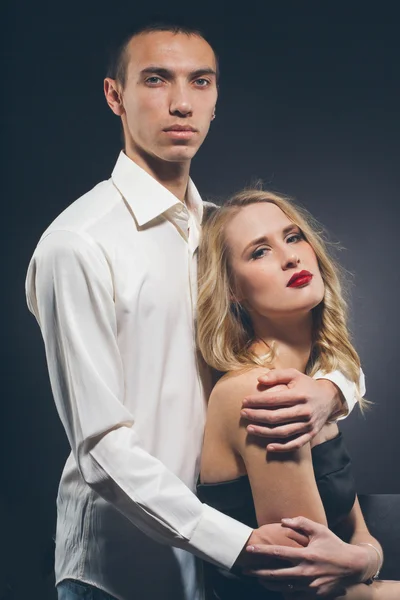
pixel 291 261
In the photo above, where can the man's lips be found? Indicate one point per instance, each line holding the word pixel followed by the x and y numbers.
pixel 180 132
pixel 299 279
pixel 180 128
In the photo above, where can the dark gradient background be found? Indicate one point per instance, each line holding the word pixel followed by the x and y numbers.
pixel 309 102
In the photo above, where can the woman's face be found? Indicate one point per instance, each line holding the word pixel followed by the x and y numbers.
pixel 275 269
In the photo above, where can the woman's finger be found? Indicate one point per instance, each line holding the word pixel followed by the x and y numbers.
pixel 277 574
pixel 304 525
pixel 275 551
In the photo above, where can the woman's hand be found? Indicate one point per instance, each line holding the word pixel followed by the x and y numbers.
pixel 292 413
pixel 325 567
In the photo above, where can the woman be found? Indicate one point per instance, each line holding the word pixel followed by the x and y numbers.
pixel 270 297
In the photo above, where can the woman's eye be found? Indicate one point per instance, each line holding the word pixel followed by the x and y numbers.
pixel 294 237
pixel 259 253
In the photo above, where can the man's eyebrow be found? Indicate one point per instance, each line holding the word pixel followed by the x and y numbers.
pixel 155 70
pixel 168 74
pixel 264 239
pixel 203 71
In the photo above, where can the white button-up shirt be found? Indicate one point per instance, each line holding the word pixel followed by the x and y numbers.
pixel 112 284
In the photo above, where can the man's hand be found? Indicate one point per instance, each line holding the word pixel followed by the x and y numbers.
pixel 323 568
pixel 292 413
pixel 272 535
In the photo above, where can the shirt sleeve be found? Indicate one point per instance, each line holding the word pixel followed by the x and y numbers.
pixel 70 292
pixel 347 387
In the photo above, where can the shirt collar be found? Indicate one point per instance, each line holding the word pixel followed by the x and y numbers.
pixel 146 197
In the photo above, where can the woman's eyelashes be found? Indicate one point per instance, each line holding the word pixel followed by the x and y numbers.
pixel 259 252
pixel 293 238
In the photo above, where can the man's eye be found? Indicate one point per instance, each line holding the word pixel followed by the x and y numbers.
pixel 202 82
pixel 259 253
pixel 153 80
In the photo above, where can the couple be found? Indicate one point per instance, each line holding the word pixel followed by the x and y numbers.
pixel 113 286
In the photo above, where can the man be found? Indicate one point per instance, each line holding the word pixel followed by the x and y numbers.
pixel 112 284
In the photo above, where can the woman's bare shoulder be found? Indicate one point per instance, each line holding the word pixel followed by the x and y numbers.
pixel 237 384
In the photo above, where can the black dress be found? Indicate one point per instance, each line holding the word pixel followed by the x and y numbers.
pixel 332 469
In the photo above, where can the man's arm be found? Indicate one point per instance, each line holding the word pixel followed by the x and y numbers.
pixel 291 407
pixel 348 393
pixel 70 291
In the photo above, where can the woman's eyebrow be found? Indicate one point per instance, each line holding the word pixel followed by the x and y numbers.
pixel 264 239
pixel 261 240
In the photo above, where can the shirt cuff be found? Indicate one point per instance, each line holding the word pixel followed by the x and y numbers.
pixel 347 387
pixel 218 538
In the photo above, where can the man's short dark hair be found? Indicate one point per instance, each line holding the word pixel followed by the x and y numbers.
pixel 119 57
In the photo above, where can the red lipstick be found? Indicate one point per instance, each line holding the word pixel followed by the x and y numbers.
pixel 299 279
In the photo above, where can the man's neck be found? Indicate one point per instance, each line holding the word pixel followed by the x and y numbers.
pixel 173 176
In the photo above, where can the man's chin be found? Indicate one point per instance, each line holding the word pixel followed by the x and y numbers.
pixel 179 154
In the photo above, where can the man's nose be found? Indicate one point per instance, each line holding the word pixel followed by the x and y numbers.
pixel 180 104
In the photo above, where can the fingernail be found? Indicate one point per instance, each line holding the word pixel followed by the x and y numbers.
pixel 251 549
pixel 243 413
pixel 271 448
pixel 251 429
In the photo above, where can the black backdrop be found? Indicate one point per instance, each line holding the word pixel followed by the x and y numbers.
pixel 309 102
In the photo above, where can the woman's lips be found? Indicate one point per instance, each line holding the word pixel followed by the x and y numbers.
pixel 300 279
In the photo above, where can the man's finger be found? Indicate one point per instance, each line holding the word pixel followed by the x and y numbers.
pixel 279 376
pixel 290 446
pixel 281 416
pixel 280 433
pixel 270 397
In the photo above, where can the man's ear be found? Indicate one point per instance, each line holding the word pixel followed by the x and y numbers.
pixel 113 96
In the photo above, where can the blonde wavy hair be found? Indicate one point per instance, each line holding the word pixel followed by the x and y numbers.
pixel 225 333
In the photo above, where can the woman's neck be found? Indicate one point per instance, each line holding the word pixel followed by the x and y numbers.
pixel 291 339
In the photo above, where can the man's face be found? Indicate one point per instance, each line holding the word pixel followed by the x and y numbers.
pixel 169 96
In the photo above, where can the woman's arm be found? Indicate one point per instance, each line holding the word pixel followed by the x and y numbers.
pixel 283 485
pixel 354 530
